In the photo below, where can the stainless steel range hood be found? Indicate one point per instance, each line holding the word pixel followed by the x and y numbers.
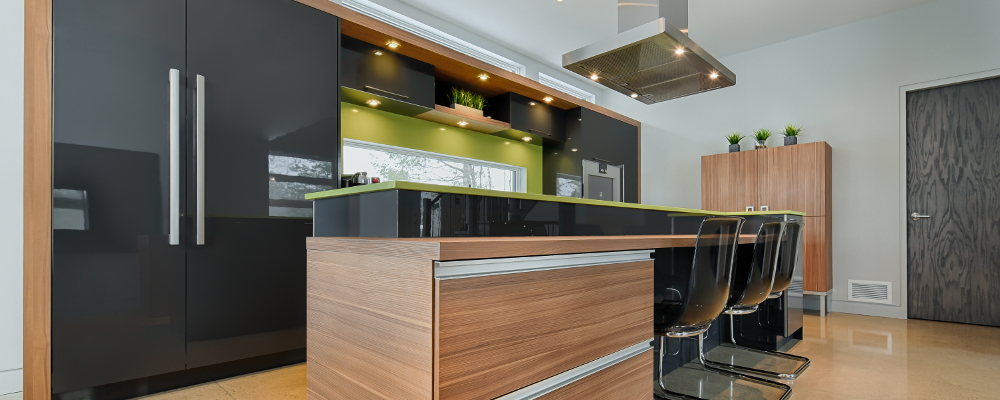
pixel 651 59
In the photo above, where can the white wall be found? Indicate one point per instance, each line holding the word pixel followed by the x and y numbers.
pixel 11 174
pixel 843 85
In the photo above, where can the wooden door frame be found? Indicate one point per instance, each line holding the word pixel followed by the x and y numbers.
pixel 903 188
pixel 37 199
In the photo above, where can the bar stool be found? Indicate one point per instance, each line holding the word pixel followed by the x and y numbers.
pixel 687 313
pixel 776 252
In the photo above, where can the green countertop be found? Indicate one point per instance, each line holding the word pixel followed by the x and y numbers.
pixel 425 187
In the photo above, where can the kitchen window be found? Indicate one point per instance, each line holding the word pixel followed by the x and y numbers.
pixel 391 163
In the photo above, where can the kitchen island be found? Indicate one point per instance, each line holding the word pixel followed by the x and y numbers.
pixel 433 292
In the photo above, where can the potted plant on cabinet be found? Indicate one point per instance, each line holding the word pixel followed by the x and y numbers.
pixel 467 102
pixel 791 134
pixel 734 141
pixel 761 135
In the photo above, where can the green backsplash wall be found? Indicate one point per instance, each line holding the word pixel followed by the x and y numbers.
pixel 396 130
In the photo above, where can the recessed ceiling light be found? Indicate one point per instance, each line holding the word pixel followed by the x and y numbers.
pixel 547 99
pixel 378 52
pixel 462 123
pixel 714 75
pixel 373 102
pixel 483 77
pixel 634 95
pixel 531 103
pixel 392 44
pixel 574 150
pixel 594 77
pixel 526 139
pixel 679 51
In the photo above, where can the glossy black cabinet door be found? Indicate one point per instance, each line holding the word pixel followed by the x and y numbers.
pixel 381 71
pixel 117 284
pixel 271 117
pixel 529 115
pixel 593 136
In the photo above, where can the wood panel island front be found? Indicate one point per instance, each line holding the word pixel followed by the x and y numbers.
pixel 431 292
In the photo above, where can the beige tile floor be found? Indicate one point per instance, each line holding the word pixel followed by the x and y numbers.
pixel 853 357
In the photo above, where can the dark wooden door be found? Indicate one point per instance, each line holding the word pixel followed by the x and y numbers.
pixel 953 177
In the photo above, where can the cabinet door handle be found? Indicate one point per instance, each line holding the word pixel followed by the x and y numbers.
pixel 199 151
pixel 386 92
pixel 538 131
pixel 174 138
pixel 749 208
pixel 765 208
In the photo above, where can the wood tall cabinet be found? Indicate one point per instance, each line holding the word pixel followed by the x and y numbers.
pixel 794 178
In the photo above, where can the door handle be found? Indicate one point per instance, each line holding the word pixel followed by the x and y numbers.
pixel 749 208
pixel 199 132
pixel 370 88
pixel 765 208
pixel 175 157
pixel 916 216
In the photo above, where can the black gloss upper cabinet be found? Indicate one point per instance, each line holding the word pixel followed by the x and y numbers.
pixel 373 69
pixel 529 116
pixel 591 135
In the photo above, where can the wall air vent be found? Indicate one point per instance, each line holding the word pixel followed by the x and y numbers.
pixel 437 36
pixel 566 88
pixel 869 291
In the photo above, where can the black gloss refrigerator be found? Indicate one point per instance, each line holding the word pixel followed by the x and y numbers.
pixel 186 134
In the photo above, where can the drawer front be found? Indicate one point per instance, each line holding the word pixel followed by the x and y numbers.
pixel 500 333
pixel 631 379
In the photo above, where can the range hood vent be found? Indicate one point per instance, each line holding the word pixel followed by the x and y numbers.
pixel 651 59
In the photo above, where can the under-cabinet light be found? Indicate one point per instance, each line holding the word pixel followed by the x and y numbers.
pixel 373 102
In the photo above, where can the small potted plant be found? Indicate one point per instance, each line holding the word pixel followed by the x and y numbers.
pixel 761 135
pixel 467 102
pixel 792 134
pixel 734 141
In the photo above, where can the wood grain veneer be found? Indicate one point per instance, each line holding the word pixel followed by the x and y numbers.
pixel 37 199
pixel 501 333
pixel 797 178
pixel 370 309
pixel 817 254
pixel 468 248
pixel 729 182
pixel 627 380
pixel 450 65
pixel 448 116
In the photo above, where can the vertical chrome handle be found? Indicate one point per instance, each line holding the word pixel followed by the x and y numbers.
pixel 749 208
pixel 199 132
pixel 765 208
pixel 175 157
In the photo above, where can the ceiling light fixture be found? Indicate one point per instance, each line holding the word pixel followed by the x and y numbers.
pixel 378 52
pixel 679 51
pixel 373 102
pixel 547 99
pixel 392 44
pixel 531 103
pixel 634 95
pixel 462 123
pixel 483 77
pixel 526 139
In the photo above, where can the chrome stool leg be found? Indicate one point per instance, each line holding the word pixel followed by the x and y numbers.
pixel 786 390
pixel 778 375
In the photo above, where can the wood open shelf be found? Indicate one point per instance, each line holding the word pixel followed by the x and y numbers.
pixel 448 116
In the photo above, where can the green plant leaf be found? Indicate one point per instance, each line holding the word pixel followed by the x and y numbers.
pixel 734 138
pixel 792 130
pixel 761 135
pixel 467 98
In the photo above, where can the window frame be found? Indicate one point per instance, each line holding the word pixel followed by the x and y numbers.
pixel 520 173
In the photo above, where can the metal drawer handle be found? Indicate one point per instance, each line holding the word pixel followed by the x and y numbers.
pixel 538 131
pixel 386 92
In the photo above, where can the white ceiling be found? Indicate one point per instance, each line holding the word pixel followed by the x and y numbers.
pixel 545 29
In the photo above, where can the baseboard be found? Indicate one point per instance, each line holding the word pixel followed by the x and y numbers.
pixel 11 381
pixel 874 310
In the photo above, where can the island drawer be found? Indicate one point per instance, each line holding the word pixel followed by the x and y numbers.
pixel 504 324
